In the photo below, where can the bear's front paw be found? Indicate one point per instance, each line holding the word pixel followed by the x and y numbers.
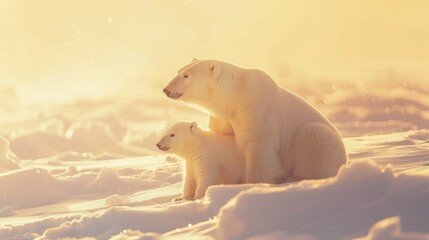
pixel 181 199
pixel 178 199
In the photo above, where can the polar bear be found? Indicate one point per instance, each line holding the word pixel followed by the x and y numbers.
pixel 210 158
pixel 281 135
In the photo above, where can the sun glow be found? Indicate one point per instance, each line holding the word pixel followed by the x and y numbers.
pixel 78 49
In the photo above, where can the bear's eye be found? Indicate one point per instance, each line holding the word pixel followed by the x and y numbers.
pixel 186 76
pixel 172 135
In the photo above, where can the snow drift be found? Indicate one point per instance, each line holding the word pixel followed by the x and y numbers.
pixel 340 208
pixel 83 170
pixel 345 207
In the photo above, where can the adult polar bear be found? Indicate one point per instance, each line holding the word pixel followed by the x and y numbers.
pixel 281 135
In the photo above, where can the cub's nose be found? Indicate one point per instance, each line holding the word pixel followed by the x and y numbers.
pixel 158 145
pixel 166 91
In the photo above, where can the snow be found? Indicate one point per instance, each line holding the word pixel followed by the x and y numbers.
pixel 390 228
pixel 344 207
pixel 7 161
pixel 90 170
pixel 81 109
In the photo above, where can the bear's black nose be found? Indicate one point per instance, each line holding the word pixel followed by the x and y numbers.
pixel 158 145
pixel 166 91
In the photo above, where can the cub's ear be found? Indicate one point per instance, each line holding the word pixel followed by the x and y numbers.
pixel 193 127
pixel 215 69
pixel 193 60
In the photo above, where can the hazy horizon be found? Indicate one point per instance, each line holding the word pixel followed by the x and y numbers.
pixel 66 49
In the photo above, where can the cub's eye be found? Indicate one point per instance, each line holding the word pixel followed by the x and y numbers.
pixel 186 76
pixel 172 135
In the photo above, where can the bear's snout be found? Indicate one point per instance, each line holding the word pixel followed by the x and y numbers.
pixel 162 148
pixel 167 92
pixel 171 94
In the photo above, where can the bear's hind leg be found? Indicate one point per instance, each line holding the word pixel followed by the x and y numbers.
pixel 318 152
pixel 262 164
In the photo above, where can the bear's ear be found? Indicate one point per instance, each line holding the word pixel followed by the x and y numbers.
pixel 193 60
pixel 214 69
pixel 193 127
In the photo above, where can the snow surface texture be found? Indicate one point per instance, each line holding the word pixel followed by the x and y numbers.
pixel 7 158
pixel 90 170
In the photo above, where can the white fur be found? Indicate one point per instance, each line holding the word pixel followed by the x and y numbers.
pixel 280 134
pixel 210 158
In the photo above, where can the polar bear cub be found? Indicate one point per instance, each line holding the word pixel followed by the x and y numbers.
pixel 210 158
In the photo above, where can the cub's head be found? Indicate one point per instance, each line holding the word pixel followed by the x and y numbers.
pixel 195 81
pixel 177 136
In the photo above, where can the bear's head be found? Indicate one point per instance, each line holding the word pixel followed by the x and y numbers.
pixel 204 84
pixel 177 137
pixel 193 81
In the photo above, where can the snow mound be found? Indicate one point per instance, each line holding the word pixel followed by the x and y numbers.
pixel 103 224
pixel 52 126
pixel 282 235
pixel 4 148
pixel 136 235
pixel 90 138
pixel 28 187
pixel 7 161
pixel 390 228
pixel 344 207
pixel 108 181
pixel 6 211
pixel 33 187
pixel 339 208
pixel 116 200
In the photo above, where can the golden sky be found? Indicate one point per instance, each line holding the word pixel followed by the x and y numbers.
pixel 95 46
